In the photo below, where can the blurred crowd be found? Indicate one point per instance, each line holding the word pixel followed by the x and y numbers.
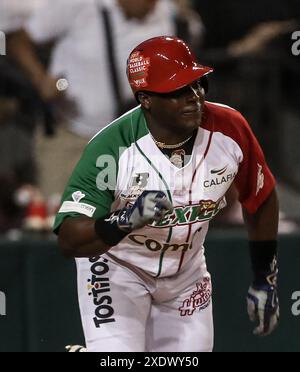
pixel 62 79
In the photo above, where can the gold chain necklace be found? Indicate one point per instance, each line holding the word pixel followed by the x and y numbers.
pixel 162 145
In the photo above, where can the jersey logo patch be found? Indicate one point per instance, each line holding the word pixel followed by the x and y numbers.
pixel 138 68
pixel 220 177
pixel 260 179
pixel 200 298
pixel 77 196
pixel 99 290
pixel 155 246
pixel 204 211
pixel 140 180
pixel 219 172
pixel 81 208
pixel 137 185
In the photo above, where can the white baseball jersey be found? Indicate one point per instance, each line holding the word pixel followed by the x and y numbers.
pixel 122 161
pixel 155 281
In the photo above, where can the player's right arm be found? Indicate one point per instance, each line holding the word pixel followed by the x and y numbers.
pixel 90 220
pixel 87 237
pixel 77 238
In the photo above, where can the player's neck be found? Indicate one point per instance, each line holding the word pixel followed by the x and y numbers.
pixel 168 135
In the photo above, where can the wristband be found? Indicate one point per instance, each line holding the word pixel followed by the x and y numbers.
pixel 107 228
pixel 264 260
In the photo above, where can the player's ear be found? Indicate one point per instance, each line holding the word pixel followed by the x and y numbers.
pixel 144 99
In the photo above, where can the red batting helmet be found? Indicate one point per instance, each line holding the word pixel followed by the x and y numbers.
pixel 162 65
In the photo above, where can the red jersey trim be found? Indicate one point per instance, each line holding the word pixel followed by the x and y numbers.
pixel 254 180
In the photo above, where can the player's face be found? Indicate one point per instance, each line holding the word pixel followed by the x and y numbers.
pixel 181 110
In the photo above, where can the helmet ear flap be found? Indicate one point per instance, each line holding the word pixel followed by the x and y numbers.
pixel 204 83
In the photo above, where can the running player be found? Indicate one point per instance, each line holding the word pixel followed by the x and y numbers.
pixel 138 205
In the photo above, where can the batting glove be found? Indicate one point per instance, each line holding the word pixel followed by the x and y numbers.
pixel 150 206
pixel 263 304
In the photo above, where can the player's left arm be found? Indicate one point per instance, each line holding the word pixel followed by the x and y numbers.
pixel 263 224
pixel 262 299
pixel 257 194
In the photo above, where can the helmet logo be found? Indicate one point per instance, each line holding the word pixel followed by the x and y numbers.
pixel 138 67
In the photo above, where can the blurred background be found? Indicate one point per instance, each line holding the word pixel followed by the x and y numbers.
pixel 62 79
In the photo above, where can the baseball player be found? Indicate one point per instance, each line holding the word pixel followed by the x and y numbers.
pixel 138 205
